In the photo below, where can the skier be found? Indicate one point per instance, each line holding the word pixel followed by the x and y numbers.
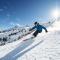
pixel 38 29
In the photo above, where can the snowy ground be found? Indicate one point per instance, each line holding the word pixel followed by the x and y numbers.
pixel 46 46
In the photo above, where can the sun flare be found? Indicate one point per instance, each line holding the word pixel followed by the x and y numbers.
pixel 55 13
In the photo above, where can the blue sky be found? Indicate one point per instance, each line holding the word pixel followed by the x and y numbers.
pixel 24 12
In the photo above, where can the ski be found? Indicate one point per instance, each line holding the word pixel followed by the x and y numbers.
pixel 28 38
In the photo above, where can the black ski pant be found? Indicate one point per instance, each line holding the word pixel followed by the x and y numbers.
pixel 36 33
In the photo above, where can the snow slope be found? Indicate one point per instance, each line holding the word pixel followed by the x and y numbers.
pixel 46 46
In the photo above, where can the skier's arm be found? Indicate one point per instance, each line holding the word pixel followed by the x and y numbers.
pixel 44 28
pixel 32 28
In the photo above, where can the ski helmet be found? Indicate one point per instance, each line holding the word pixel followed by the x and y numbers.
pixel 35 23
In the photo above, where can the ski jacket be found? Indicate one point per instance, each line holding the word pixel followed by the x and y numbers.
pixel 39 28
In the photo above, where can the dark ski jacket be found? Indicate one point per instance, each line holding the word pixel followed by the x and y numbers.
pixel 39 28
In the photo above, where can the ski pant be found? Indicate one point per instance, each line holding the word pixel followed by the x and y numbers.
pixel 36 33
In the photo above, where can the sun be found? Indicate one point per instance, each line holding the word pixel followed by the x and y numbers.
pixel 55 13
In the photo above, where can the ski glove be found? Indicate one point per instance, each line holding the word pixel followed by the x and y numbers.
pixel 46 31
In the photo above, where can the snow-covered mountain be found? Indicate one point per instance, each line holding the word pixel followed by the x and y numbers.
pixel 13 34
pixel 16 33
pixel 46 46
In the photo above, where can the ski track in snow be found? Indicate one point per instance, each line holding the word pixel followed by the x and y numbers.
pixel 11 55
pixel 43 47
pixel 19 50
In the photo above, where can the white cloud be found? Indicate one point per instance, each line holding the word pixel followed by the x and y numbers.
pixel 1 9
pixel 8 15
pixel 18 24
pixel 5 7
pixel 14 24
pixel 11 23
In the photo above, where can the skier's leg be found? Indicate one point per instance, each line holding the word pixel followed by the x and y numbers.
pixel 35 33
